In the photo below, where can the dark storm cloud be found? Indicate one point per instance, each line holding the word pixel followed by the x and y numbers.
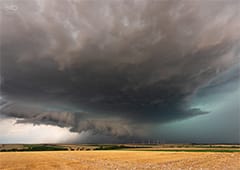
pixel 117 63
pixel 77 122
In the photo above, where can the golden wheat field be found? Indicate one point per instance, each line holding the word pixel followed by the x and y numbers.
pixel 120 160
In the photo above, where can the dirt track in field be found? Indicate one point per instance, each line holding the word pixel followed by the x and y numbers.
pixel 120 160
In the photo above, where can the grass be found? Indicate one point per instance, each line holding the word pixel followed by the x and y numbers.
pixel 198 148
pixel 111 147
pixel 137 147
pixel 45 148
pixel 180 149
pixel 195 150
pixel 36 148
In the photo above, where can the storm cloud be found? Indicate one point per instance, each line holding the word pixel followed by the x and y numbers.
pixel 111 67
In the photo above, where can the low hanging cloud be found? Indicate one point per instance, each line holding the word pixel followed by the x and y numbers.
pixel 112 67
pixel 77 122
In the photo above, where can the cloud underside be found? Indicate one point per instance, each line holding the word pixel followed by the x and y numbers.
pixel 112 67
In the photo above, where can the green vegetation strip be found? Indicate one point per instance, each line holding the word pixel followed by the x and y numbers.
pixel 193 150
pixel 36 148
pixel 111 147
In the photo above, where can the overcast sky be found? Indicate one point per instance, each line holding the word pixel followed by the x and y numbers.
pixel 117 71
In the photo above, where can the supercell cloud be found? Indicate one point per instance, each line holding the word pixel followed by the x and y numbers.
pixel 114 68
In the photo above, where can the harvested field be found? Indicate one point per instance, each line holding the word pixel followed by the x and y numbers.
pixel 119 160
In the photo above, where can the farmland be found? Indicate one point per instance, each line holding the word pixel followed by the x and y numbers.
pixel 119 157
pixel 118 160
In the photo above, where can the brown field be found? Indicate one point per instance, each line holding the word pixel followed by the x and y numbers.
pixel 119 160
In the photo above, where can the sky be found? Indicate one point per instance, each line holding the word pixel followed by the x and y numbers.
pixel 109 71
